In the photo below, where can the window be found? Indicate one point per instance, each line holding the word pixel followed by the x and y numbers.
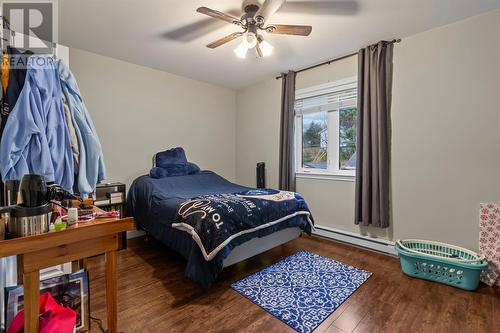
pixel 325 129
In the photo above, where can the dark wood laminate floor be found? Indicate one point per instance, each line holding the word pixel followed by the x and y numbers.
pixel 154 296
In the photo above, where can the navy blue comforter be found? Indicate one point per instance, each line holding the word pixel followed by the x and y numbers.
pixel 156 203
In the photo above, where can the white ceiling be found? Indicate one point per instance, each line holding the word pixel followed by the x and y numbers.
pixel 147 32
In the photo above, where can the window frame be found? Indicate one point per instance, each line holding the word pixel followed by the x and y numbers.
pixel 333 170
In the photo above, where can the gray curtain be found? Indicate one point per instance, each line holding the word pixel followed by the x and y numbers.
pixel 287 164
pixel 374 135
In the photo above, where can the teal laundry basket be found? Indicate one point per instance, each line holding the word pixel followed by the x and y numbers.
pixel 440 262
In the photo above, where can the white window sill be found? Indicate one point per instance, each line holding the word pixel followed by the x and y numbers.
pixel 326 176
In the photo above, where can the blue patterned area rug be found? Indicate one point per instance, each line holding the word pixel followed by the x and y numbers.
pixel 302 290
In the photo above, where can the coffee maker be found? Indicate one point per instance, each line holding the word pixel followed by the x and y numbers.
pixel 30 214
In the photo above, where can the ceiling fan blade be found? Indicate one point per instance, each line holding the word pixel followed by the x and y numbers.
pixel 269 7
pixel 258 50
pixel 194 30
pixel 338 7
pixel 286 29
pixel 219 15
pixel 224 40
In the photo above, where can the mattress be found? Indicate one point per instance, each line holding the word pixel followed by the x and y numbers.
pixel 154 204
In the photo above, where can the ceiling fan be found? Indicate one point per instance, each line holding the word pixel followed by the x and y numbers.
pixel 253 21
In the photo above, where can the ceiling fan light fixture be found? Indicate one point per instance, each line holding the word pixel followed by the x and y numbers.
pixel 266 48
pixel 253 21
pixel 249 39
pixel 241 50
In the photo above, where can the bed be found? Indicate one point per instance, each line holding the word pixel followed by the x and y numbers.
pixel 173 210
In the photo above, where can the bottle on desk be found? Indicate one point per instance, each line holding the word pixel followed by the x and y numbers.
pixel 3 222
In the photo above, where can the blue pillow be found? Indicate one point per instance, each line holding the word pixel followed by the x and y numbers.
pixel 173 170
pixel 171 156
pixel 193 168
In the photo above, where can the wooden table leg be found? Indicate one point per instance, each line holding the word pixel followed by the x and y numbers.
pixel 20 268
pixel 111 291
pixel 31 301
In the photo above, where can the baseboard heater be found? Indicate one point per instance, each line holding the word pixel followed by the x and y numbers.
pixel 371 243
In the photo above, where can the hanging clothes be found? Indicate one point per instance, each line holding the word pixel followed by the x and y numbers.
pixel 12 84
pixel 36 138
pixel 4 75
pixel 5 72
pixel 70 123
pixel 91 168
pixel 14 66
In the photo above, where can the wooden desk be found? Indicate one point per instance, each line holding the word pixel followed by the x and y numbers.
pixel 101 236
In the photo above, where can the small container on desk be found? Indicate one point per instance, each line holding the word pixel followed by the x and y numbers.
pixel 3 223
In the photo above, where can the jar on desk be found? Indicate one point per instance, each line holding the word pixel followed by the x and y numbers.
pixel 3 222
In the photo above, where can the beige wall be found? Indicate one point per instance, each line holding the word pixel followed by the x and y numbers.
pixel 446 129
pixel 257 131
pixel 138 111
pixel 446 134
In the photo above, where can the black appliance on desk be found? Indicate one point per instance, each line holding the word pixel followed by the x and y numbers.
pixel 28 206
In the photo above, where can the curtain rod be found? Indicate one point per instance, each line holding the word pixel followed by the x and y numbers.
pixel 333 60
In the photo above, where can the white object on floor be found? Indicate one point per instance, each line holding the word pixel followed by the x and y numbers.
pixel 489 242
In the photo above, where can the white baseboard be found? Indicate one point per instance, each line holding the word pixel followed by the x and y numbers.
pixel 371 243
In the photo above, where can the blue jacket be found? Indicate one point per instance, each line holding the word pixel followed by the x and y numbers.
pixel 91 169
pixel 35 138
